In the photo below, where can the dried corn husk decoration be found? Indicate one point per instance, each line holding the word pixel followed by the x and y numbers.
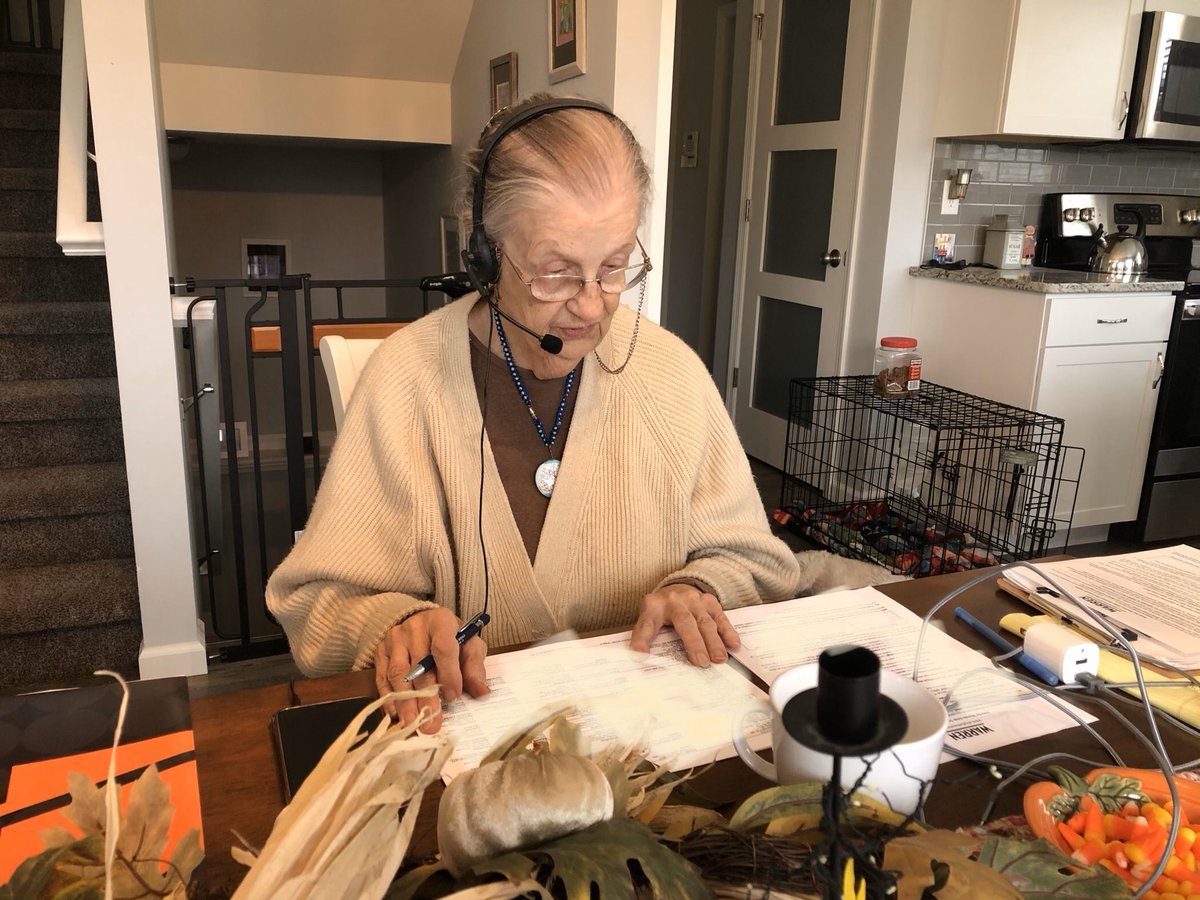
pixel 343 834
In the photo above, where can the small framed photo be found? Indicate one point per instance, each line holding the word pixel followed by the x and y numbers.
pixel 567 33
pixel 265 258
pixel 451 255
pixel 504 81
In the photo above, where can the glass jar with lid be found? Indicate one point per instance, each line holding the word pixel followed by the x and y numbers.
pixel 897 367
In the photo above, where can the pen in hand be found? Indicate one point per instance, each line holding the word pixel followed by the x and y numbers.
pixel 1023 658
pixel 466 631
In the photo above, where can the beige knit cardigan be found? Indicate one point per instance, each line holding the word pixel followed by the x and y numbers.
pixel 654 487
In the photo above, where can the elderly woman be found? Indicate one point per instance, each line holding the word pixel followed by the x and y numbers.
pixel 613 489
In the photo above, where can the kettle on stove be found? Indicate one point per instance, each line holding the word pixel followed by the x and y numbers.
pixel 1121 253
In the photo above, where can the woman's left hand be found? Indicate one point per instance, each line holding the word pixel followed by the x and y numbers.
pixel 697 618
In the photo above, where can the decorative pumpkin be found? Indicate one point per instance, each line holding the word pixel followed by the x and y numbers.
pixel 1048 802
pixel 519 802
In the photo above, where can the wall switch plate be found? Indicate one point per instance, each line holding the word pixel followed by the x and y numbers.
pixel 691 150
pixel 949 207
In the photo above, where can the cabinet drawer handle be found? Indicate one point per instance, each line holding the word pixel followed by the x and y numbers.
pixel 1120 321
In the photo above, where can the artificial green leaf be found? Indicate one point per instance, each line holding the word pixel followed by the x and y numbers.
pixel 790 800
pixel 32 876
pixel 1111 791
pixel 91 889
pixel 914 859
pixel 601 856
pixel 1038 869
pixel 409 884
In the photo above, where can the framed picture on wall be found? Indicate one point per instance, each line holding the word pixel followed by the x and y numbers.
pixel 503 81
pixel 265 258
pixel 568 28
pixel 451 257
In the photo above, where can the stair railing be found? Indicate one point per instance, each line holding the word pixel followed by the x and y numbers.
pixel 75 234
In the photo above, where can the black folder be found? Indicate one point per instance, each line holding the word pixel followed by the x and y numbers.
pixel 304 733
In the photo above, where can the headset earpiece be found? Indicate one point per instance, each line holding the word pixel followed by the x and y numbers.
pixel 480 257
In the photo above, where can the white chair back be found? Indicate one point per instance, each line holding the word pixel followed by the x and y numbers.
pixel 344 360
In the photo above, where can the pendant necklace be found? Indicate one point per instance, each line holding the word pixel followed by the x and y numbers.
pixel 547 472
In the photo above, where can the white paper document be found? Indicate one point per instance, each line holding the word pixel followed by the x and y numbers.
pixel 987 710
pixel 681 714
pixel 1152 596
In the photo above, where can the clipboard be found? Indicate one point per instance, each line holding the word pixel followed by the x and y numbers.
pixel 303 734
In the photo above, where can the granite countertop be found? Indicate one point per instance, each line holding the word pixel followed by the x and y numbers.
pixel 1051 281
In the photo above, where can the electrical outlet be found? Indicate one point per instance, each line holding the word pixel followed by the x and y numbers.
pixel 241 438
pixel 949 206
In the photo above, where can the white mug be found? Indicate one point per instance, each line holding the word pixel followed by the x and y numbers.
pixel 896 774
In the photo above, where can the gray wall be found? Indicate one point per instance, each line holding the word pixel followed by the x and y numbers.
pixel 689 279
pixel 327 201
pixel 1010 178
pixel 497 27
pixel 418 187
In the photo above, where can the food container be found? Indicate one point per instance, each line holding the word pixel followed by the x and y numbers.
pixel 897 367
pixel 1004 243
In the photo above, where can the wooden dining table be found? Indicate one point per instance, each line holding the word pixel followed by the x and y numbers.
pixel 240 782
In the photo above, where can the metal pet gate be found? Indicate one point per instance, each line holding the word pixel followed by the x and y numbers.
pixel 281 338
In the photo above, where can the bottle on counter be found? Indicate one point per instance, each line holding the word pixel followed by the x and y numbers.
pixel 897 367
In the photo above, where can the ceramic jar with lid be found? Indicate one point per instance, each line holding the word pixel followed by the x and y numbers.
pixel 897 367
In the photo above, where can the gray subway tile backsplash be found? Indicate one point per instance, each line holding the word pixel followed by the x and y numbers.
pixel 1009 179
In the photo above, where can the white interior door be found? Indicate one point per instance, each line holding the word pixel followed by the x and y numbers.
pixel 807 115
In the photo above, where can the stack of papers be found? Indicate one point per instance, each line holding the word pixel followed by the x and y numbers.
pixel 987 710
pixel 684 716
pixel 1152 597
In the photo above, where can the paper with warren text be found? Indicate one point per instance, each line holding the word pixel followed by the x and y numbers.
pixel 1154 594
pixel 683 715
pixel 987 711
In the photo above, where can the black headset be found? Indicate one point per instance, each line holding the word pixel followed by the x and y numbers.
pixel 480 258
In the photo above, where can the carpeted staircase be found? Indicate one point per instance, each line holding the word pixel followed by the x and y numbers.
pixel 68 592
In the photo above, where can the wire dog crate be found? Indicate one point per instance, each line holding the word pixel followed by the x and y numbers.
pixel 941 481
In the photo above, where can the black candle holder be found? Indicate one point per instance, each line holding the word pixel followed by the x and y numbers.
pixel 845 715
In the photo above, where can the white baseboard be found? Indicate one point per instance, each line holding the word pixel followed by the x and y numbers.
pixel 169 660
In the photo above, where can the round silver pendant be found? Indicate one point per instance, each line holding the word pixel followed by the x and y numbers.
pixel 545 476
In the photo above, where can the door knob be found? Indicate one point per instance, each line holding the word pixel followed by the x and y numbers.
pixel 833 258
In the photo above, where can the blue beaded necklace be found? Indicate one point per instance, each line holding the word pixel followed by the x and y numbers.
pixel 547 472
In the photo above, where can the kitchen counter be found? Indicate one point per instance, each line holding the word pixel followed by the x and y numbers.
pixel 1051 281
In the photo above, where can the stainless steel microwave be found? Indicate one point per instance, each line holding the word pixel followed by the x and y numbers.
pixel 1166 88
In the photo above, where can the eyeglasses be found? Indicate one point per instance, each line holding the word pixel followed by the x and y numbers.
pixel 560 288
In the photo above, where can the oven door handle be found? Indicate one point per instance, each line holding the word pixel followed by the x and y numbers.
pixel 1158 378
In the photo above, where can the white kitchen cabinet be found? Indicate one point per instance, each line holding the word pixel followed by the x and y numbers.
pixel 1091 359
pixel 1106 394
pixel 1055 68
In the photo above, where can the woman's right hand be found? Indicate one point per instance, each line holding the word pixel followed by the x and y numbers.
pixel 431 631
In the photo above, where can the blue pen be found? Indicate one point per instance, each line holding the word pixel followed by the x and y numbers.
pixel 466 631
pixel 1023 658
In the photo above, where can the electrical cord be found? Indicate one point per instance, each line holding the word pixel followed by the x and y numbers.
pixel 487 370
pixel 1153 743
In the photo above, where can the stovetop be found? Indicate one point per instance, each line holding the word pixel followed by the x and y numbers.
pixel 1070 221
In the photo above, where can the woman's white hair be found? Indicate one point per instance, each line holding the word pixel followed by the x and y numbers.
pixel 569 152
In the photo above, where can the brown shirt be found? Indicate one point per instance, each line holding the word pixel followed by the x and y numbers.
pixel 515 442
